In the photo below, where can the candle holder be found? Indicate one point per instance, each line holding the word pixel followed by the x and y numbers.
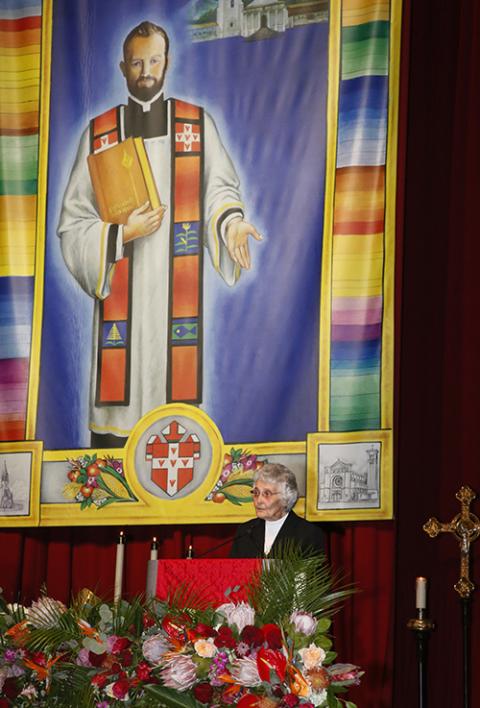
pixel 422 626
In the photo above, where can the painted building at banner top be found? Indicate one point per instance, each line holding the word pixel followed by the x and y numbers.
pixel 218 19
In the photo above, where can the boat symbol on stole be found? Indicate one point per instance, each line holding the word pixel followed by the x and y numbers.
pixel 172 454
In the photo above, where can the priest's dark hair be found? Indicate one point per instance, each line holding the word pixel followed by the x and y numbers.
pixel 279 474
pixel 146 29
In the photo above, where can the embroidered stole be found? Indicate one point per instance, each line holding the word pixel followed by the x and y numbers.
pixel 184 336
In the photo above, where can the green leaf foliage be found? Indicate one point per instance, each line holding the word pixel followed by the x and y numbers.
pixel 296 580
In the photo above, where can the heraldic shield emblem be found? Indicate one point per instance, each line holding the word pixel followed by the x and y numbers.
pixel 172 454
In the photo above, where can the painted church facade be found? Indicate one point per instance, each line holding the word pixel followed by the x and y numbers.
pixel 233 18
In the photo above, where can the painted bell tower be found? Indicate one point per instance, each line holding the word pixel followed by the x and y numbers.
pixel 229 17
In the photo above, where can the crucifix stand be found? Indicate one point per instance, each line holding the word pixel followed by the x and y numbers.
pixel 465 526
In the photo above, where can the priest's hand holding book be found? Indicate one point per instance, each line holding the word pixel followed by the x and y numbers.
pixel 143 221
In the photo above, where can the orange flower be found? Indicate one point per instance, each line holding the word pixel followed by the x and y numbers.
pixel 19 633
pixel 298 684
pixel 42 672
pixel 87 630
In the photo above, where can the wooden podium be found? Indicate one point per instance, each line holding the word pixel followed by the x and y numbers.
pixel 212 577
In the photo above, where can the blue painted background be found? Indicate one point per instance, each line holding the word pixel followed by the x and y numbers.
pixel 268 100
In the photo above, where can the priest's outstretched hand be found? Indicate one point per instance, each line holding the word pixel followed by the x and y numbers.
pixel 237 235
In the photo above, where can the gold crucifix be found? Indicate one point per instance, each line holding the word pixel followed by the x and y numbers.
pixel 465 526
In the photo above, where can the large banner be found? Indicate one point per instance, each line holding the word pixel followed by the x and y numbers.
pixel 197 256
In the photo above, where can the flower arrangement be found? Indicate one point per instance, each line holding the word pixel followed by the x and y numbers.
pixel 183 653
pixel 97 482
pixel 235 481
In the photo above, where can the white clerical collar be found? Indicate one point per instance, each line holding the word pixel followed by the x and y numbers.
pixel 277 523
pixel 146 105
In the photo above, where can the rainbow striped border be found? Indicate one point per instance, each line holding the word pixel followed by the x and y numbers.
pixel 20 53
pixel 357 299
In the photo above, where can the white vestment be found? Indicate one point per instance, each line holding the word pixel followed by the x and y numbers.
pixel 84 247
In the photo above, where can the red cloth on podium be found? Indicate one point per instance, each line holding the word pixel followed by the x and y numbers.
pixel 212 577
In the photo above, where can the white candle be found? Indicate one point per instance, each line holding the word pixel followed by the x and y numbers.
pixel 421 593
pixel 117 591
pixel 154 549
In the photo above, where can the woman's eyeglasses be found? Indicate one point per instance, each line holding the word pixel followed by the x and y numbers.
pixel 266 493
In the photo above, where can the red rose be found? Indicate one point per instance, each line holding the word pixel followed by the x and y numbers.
pixel 143 671
pixel 120 688
pixel 225 638
pixel 11 689
pixel 99 680
pixel 120 644
pixel 252 635
pixel 272 636
pixel 203 692
pixel 126 657
pixel 96 659
pixel 203 630
pixel 290 700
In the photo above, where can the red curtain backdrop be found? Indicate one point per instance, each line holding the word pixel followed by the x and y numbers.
pixel 438 394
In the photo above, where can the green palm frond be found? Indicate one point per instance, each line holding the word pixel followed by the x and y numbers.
pixel 127 616
pixel 169 698
pixel 191 596
pixel 72 688
pixel 296 580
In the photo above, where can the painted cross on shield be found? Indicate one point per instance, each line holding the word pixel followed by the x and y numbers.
pixel 172 454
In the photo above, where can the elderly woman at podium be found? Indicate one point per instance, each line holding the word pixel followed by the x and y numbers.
pixel 275 493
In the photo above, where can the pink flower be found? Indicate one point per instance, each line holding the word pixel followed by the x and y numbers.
pixel 345 672
pixel 238 615
pixel 179 672
pixel 154 648
pixel 245 672
pixel 304 622
pixel 83 657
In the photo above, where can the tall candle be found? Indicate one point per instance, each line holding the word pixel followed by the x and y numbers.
pixel 154 549
pixel 117 591
pixel 421 593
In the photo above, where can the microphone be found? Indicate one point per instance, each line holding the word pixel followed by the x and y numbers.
pixel 246 533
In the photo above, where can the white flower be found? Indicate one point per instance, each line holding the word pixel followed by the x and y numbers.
pixel 154 648
pixel 304 622
pixel 205 648
pixel 318 698
pixel 245 672
pixel 239 615
pixel 312 656
pixel 29 692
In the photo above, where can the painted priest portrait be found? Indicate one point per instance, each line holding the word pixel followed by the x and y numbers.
pixel 139 255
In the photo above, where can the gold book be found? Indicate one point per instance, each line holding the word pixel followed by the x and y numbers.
pixel 122 180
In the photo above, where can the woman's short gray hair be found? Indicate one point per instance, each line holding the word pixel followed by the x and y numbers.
pixel 279 474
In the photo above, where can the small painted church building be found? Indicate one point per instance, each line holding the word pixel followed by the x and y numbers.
pixel 245 18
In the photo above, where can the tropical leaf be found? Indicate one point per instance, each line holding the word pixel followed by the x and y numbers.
pixel 169 698
pixel 295 580
pixel 71 688
pixel 127 615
